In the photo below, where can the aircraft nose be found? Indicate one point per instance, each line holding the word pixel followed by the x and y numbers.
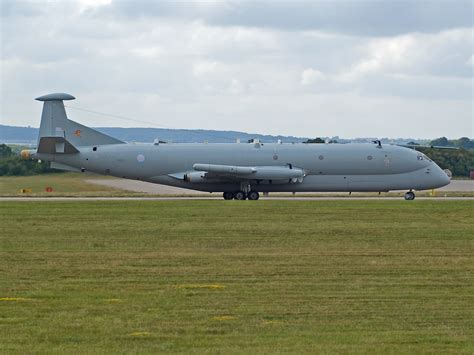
pixel 441 177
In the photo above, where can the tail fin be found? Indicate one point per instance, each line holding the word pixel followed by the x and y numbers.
pixel 54 123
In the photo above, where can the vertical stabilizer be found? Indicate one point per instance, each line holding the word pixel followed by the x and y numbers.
pixel 54 123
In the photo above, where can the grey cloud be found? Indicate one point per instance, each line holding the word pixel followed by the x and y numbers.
pixel 365 18
pixel 240 65
pixel 10 8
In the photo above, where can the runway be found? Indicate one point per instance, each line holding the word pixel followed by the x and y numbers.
pixel 219 198
pixel 156 189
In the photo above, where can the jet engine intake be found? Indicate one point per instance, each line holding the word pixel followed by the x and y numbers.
pixel 195 177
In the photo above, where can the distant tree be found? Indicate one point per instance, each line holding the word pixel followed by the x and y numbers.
pixel 315 140
pixel 11 164
pixel 464 142
pixel 412 143
pixel 441 142
pixel 5 151
pixel 460 162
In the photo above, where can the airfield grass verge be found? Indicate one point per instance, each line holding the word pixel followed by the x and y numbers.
pixel 63 184
pixel 237 276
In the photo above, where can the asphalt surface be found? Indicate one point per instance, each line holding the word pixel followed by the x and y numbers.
pixel 149 188
pixel 278 198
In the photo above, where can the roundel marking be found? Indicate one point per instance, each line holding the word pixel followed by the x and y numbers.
pixel 140 158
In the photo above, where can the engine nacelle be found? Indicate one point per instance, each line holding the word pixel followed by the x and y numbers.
pixel 195 177
pixel 284 172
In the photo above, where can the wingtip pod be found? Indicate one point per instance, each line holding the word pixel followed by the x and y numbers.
pixel 58 96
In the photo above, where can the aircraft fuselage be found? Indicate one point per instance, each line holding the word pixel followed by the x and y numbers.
pixel 327 167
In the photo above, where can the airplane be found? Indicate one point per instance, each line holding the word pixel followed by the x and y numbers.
pixel 238 170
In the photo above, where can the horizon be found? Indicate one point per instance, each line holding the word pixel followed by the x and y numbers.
pixel 266 134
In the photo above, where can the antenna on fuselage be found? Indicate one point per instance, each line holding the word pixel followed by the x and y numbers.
pixel 378 142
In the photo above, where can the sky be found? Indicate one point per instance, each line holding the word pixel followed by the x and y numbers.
pixel 303 68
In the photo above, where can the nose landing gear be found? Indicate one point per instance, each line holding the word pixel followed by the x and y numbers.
pixel 410 195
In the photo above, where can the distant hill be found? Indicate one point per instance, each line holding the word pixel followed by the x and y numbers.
pixel 29 135
pixel 18 134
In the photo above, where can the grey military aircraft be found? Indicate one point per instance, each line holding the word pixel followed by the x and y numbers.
pixel 239 170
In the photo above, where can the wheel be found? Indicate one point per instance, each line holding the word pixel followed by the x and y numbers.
pixel 253 195
pixel 410 195
pixel 228 195
pixel 240 195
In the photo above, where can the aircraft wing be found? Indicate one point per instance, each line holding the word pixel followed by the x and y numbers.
pixel 415 146
pixel 212 172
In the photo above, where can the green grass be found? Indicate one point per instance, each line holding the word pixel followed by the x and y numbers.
pixel 234 276
pixel 65 184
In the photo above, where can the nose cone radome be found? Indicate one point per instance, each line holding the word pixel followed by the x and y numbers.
pixel 441 177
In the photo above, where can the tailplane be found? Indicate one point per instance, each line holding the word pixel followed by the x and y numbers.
pixel 55 124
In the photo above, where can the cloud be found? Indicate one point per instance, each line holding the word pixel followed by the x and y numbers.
pixel 364 18
pixel 85 5
pixel 147 52
pixel 440 54
pixel 228 65
pixel 470 61
pixel 310 76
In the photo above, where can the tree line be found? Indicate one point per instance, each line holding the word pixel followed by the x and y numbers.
pixel 11 164
pixel 459 162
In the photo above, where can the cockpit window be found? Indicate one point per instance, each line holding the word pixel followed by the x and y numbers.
pixel 422 156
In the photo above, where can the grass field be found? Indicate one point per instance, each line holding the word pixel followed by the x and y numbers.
pixel 65 184
pixel 239 277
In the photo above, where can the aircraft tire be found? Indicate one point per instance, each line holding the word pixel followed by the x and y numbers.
pixel 228 195
pixel 409 196
pixel 240 195
pixel 253 195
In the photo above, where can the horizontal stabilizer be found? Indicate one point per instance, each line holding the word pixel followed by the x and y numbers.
pixel 64 167
pixel 55 145
pixel 415 146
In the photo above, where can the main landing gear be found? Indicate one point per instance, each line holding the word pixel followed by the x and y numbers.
pixel 253 195
pixel 228 195
pixel 410 195
pixel 241 195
